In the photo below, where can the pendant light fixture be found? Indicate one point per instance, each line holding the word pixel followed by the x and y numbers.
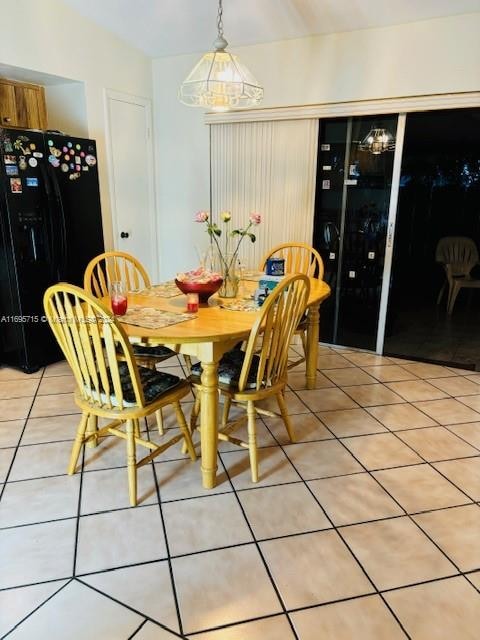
pixel 377 141
pixel 219 81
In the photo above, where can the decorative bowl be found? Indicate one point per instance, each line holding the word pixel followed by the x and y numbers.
pixel 204 289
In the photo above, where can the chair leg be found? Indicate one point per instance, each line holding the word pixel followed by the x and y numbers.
pixel 131 462
pixel 453 297
pixel 252 440
pixel 182 423
pixel 441 292
pixel 77 445
pixel 195 412
pixel 286 418
pixel 92 427
pixel 303 338
pixel 227 403
pixel 159 417
pixel 188 363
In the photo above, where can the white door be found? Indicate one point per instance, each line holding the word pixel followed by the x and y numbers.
pixel 130 154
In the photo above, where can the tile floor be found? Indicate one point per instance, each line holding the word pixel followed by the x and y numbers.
pixel 367 527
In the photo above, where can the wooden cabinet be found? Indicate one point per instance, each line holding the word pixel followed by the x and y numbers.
pixel 22 105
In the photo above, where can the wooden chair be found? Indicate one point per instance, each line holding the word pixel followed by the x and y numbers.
pixel 458 255
pixel 299 258
pixel 247 377
pixel 90 338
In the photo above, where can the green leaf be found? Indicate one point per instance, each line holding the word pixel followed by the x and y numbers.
pixel 252 237
pixel 217 232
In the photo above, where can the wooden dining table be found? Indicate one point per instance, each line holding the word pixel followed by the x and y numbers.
pixel 207 336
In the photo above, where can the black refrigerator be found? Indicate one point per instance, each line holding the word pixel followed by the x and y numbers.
pixel 50 228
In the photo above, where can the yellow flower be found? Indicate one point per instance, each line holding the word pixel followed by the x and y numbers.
pixel 226 216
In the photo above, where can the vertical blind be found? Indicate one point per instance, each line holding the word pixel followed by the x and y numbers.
pixel 268 168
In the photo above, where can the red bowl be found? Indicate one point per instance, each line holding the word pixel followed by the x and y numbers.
pixel 204 289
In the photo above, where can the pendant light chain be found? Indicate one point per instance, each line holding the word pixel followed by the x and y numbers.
pixel 219 19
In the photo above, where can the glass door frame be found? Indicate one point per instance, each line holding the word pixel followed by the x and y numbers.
pixel 392 217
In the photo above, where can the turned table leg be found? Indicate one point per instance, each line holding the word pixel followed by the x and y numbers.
pixel 313 321
pixel 209 423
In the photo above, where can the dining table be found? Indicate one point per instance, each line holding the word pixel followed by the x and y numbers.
pixel 211 332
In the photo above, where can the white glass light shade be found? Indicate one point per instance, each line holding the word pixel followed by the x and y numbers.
pixel 220 81
pixel 377 141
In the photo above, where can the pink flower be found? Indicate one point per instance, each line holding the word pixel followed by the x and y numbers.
pixel 255 218
pixel 201 216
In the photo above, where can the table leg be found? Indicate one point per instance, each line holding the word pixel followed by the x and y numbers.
pixel 209 423
pixel 313 321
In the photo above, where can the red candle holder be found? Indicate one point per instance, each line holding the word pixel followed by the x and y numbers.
pixel 192 302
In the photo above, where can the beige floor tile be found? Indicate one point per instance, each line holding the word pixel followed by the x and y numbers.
pixel 37 553
pixel 475 377
pixel 448 411
pixel 57 369
pixel 314 568
pixel 322 459
pixel 100 545
pixel 36 461
pixel 424 370
pixel 50 429
pixel 39 500
pixel 362 359
pixel 463 473
pixel 363 619
pixel 147 588
pixel 57 384
pixel 192 525
pixel 395 553
pixel 180 479
pixel 10 432
pixel 294 403
pixel 332 361
pixel 297 380
pixel 413 390
pixel 400 416
pixel 264 437
pixel 9 373
pixel 109 453
pixel 350 376
pixel 389 373
pixel 458 371
pixel 381 451
pixel 352 499
pixel 469 432
pixel 276 628
pixel 79 612
pixel 6 457
pixel 108 489
pixel 441 610
pixel 455 386
pixel 437 443
pixel 471 401
pixel 282 511
pixel 326 399
pixel 457 532
pixel 152 631
pixel 16 604
pixel 475 579
pixel 306 426
pixel 222 587
pixel 273 468
pixel 18 389
pixel 350 422
pixel 15 409
pixel 369 395
pixel 53 405
pixel 420 488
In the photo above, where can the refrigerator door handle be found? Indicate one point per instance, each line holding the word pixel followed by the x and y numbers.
pixel 51 222
pixel 63 234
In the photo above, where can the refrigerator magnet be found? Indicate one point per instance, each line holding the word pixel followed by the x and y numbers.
pixel 32 182
pixel 56 152
pixel 72 152
pixel 22 163
pixel 10 159
pixel 37 154
pixel 65 149
pixel 32 162
pixel 66 157
pixel 78 160
pixel 7 145
pixel 325 184
pixel 55 162
pixel 90 160
pixel 82 154
pixel 50 143
pixel 78 147
pixel 64 167
pixel 77 167
pixel 74 176
pixel 15 185
pixel 325 147
pixel 72 166
pixel 69 145
pixel 33 146
pixel 84 168
pixel 11 170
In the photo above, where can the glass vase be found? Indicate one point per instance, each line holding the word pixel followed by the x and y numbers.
pixel 227 267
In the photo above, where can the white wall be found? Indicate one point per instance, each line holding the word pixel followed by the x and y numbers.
pixel 429 57
pixel 67 108
pixel 49 37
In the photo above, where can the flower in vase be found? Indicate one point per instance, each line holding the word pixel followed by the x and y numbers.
pixel 255 218
pixel 226 216
pixel 201 216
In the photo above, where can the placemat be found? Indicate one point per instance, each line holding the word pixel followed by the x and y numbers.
pixel 151 318
pixel 252 276
pixel 163 290
pixel 240 305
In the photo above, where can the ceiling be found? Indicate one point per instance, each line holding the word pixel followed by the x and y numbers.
pixel 171 27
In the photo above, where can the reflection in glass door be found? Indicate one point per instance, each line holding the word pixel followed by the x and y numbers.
pixel 351 213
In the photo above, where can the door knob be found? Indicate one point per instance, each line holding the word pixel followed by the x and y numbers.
pixel 124 234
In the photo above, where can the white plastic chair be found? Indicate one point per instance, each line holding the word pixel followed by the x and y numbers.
pixel 458 255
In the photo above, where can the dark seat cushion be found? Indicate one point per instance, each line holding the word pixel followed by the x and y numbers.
pixel 142 350
pixel 230 367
